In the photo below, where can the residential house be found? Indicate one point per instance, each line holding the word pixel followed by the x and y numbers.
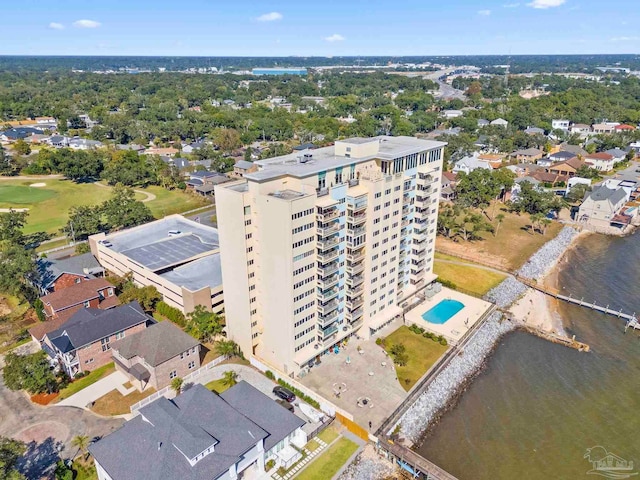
pixel 482 122
pixel 167 152
pixel 191 147
pixel 517 186
pixel 84 144
pixel 54 275
pixel 203 181
pixel 448 185
pixel 448 114
pixel 495 159
pixel 534 131
pixel 635 146
pixel 560 124
pixel 179 163
pixel 156 355
pixel 603 128
pixel 624 128
pixel 544 162
pixel 628 186
pixel 575 149
pixel 580 128
pixel 45 120
pixel 601 205
pixel 522 169
pixel 573 181
pixel 469 164
pixel 131 146
pixel 601 161
pixel 500 122
pixel 243 167
pixel 58 141
pixel 200 435
pixel 560 156
pixel 529 155
pixel 617 154
pixel 482 142
pixel 549 178
pixel 18 133
pixel 83 342
pixel 568 168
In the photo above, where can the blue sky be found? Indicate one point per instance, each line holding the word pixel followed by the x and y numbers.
pixel 330 27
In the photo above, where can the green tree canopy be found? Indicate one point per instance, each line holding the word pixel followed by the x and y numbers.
pixel 32 373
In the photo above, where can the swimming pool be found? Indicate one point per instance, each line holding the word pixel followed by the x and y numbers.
pixel 443 311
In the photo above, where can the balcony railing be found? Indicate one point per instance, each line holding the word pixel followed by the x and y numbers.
pixel 357 290
pixel 354 256
pixel 326 270
pixel 324 230
pixel 357 219
pixel 355 208
pixel 354 315
pixel 326 295
pixel 324 320
pixel 328 256
pixel 356 231
pixel 354 269
pixel 355 280
pixel 355 303
pixel 329 331
pixel 329 242
pixel 328 215
pixel 328 307
pixel 328 282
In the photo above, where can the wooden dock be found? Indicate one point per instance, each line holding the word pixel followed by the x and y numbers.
pixel 631 320
pixel 412 463
pixel 559 339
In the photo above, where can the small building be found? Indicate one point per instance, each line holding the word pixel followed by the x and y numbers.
pixel 243 167
pixel 601 205
pixel 560 124
pixel 167 152
pixel 624 128
pixel 156 355
pixel 617 154
pixel 448 185
pixel 544 162
pixel 534 131
pixel 202 435
pixel 448 114
pixel 482 122
pixel 561 156
pixel 95 293
pixel 580 128
pixel 83 343
pixel 469 164
pixel 568 168
pixel 577 150
pixel 54 275
pixel 500 122
pixel 517 186
pixel 601 161
pixel 603 128
pixel 529 155
pixel 84 144
pixel 573 181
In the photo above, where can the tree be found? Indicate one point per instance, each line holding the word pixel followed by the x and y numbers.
pixel 228 348
pixel 399 354
pixel 247 154
pixel 62 472
pixel 32 373
pixel 81 442
pixel 544 224
pixel 577 192
pixel 203 324
pixel 16 265
pixel 147 296
pixel 11 225
pixel 84 220
pixel 10 451
pixel 499 220
pixel 228 139
pixel 229 378
pixel 21 147
pixel 122 210
pixel 176 385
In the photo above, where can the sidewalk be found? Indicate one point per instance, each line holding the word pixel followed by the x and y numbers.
pixel 84 397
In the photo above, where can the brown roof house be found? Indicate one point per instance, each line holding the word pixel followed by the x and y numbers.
pixel 60 305
pixel 601 161
pixel 243 167
pixel 567 168
pixel 529 155
pixel 155 356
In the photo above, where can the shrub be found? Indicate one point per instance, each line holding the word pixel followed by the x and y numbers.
pixel 379 341
pixel 299 394
pixel 82 248
pixel 173 314
pixel 448 284
pixel 443 342
pixel 269 374
pixel 269 465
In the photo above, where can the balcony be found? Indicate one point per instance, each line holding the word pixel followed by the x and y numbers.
pixel 329 331
pixel 355 280
pixel 326 270
pixel 354 256
pixel 356 324
pixel 418 237
pixel 326 229
pixel 326 295
pixel 419 265
pixel 323 321
pixel 352 316
pixel 359 206
pixel 357 290
pixel 355 268
pixel 327 243
pixel 356 219
pixel 406 210
pixel 355 303
pixel 328 282
pixel 405 223
pixel 328 215
pixel 328 307
pixel 356 231
pixel 406 199
pixel 328 256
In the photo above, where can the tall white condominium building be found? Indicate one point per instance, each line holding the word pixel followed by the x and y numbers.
pixel 321 244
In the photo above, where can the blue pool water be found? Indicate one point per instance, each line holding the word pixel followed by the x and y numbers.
pixel 443 311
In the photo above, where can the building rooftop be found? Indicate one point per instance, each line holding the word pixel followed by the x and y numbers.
pixel 50 269
pixel 76 293
pixel 322 159
pixel 196 275
pixel 155 345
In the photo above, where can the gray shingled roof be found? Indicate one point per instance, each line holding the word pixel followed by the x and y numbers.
pixel 50 269
pixel 147 446
pixel 261 409
pixel 156 344
pixel 604 193
pixel 243 164
pixel 91 324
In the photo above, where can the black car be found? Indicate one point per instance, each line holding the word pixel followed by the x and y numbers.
pixel 284 394
pixel 285 404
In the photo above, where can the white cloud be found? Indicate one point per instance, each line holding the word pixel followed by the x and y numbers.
pixel 484 13
pixel 86 24
pixel 511 5
pixel 543 4
pixel 56 26
pixel 624 39
pixel 336 37
pixel 270 17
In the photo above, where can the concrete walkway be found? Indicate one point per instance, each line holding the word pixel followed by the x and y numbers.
pixel 93 392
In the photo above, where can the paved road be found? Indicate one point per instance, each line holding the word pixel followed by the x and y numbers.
pixel 446 90
pixel 204 217
pixel 628 173
pixel 46 429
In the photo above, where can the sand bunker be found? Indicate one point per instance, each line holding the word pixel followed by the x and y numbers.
pixel 7 210
pixel 41 184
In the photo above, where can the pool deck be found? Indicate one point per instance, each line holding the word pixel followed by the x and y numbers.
pixel 454 328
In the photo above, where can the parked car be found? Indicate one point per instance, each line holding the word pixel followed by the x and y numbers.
pixel 285 404
pixel 284 393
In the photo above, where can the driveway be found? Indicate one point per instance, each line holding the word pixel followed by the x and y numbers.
pixel 93 392
pixel 46 430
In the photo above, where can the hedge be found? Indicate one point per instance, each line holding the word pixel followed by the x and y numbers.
pixel 173 314
pixel 299 394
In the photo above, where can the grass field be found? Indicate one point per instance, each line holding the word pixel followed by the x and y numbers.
pixel 114 403
pixel 216 386
pixel 510 248
pixel 474 280
pixel 422 352
pixel 49 206
pixel 330 461
pixel 328 435
pixel 84 382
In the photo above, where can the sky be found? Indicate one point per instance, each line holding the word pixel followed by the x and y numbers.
pixel 312 28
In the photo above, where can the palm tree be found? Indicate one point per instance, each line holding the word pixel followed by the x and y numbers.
pixel 81 442
pixel 229 378
pixel 499 219
pixel 227 348
pixel 176 385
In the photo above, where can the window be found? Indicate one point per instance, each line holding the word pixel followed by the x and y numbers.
pixel 378 195
pixel 120 335
pixel 89 360
pixel 173 374
pixel 248 236
pixel 191 365
pixel 250 262
pixel 87 304
pixel 247 210
pixel 105 344
pixel 78 280
pixel 110 292
pixel 250 249
pixel 247 223
pixel 387 192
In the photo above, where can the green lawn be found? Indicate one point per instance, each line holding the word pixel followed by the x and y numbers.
pixel 49 206
pixel 330 461
pixel 216 386
pixel 328 435
pixel 422 352
pixel 474 280
pixel 84 382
